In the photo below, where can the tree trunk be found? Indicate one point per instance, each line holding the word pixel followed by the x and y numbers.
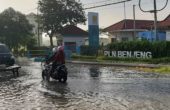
pixel 51 40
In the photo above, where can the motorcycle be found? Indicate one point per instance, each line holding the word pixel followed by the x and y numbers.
pixel 59 73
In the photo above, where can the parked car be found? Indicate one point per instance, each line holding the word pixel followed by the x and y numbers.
pixel 6 57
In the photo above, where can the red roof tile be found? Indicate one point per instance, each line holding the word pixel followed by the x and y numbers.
pixel 162 24
pixel 165 23
pixel 73 30
pixel 128 24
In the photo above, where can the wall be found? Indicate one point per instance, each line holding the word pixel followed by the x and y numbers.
pixel 103 41
pixel 167 35
pixel 149 35
pixel 122 36
pixel 80 40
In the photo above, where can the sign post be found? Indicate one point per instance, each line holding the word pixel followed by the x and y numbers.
pixel 93 25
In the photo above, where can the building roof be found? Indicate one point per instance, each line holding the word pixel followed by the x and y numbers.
pixel 73 30
pixel 128 24
pixel 165 23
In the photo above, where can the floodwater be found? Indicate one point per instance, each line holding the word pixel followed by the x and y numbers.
pixel 87 88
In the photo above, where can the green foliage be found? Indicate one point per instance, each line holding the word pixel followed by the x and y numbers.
pixel 83 57
pixel 152 61
pixel 31 42
pixel 15 30
pixel 87 50
pixel 165 60
pixel 40 48
pixel 162 70
pixel 104 58
pixel 168 48
pixel 38 52
pixel 55 14
pixel 158 49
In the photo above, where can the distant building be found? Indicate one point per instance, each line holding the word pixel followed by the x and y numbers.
pixel 32 18
pixel 73 38
pixel 165 26
pixel 124 30
pixel 102 41
pixel 163 30
pixel 150 35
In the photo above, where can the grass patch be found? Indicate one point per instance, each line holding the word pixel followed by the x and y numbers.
pixel 165 60
pixel 163 70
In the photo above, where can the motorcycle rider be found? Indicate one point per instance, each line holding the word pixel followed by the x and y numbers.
pixel 57 58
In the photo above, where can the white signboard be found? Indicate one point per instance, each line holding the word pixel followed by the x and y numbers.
pixel 128 54
pixel 168 36
pixel 93 18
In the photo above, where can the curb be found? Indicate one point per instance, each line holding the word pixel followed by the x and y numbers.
pixel 115 64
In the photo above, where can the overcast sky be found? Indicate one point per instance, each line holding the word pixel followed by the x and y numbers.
pixel 107 15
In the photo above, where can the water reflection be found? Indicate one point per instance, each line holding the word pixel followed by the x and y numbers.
pixel 55 92
pixel 5 76
pixel 94 72
pixel 88 88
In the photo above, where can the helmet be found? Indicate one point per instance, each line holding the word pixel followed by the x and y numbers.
pixel 54 50
pixel 60 48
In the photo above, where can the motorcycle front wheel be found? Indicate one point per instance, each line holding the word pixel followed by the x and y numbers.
pixel 63 79
pixel 43 74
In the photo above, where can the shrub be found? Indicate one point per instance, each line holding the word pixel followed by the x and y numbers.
pixel 87 50
pixel 158 48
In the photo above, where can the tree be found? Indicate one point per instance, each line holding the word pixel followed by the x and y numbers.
pixel 55 14
pixel 15 30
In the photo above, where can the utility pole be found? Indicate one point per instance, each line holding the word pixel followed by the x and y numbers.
pixel 155 10
pixel 134 22
pixel 125 14
pixel 38 26
pixel 155 20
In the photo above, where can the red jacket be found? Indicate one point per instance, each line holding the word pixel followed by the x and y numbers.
pixel 58 57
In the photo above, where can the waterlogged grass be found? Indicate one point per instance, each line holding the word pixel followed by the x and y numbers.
pixel 163 69
pixel 165 60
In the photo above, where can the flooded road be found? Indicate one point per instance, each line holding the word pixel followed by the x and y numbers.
pixel 87 88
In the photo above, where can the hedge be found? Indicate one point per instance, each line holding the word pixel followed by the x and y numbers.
pixel 87 50
pixel 159 49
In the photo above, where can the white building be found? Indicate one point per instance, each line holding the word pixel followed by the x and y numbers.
pixel 165 26
pixel 125 29
pixel 73 37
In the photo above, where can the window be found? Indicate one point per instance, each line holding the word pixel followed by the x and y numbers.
pixel 4 49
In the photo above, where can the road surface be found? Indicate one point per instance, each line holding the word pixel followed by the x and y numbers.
pixel 88 88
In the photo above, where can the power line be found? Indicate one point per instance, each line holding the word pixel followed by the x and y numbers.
pixel 127 5
pixel 152 11
pixel 107 4
pixel 97 2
